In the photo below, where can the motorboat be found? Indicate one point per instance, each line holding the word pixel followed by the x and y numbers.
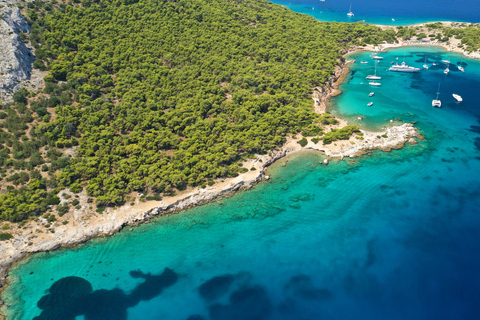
pixel 370 104
pixel 375 84
pixel 403 68
pixel 364 62
pixel 437 103
pixel 371 94
pixel 446 71
pixel 461 68
pixel 457 97
pixel 446 61
pixel 376 57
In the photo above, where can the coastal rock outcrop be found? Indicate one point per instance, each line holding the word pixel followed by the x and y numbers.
pixel 15 57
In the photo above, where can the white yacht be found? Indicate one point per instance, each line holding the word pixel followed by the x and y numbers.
pixel 437 103
pixel 375 84
pixel 403 68
pixel 446 61
pixel 364 62
pixel 371 94
pixel 446 71
pixel 461 68
pixel 457 97
pixel 370 104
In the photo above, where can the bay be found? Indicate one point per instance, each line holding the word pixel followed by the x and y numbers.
pixel 387 236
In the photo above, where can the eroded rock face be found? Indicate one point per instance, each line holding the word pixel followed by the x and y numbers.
pixel 15 57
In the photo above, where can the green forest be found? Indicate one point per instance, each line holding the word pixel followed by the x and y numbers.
pixel 154 96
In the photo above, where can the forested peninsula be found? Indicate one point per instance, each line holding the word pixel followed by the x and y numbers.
pixel 149 97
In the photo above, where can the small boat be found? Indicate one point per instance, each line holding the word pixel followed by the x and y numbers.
pixel 350 13
pixel 375 84
pixel 446 71
pixel 457 97
pixel 434 64
pixel 425 63
pixel 437 103
pixel 364 62
pixel 461 68
pixel 374 77
pixel 446 61
pixel 393 19
pixel 371 94
pixel 375 57
pixel 370 104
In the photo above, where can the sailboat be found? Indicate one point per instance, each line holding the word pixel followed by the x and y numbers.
pixel 457 97
pixel 446 71
pixel 437 103
pixel 460 65
pixel 350 13
pixel 374 77
pixel 425 65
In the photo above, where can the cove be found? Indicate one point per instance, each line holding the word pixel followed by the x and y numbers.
pixel 391 235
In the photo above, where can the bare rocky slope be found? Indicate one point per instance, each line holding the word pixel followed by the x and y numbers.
pixel 15 57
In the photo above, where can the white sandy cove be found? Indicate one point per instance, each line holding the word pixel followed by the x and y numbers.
pixel 85 224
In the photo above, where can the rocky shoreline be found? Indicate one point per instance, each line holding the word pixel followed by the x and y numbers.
pixel 85 225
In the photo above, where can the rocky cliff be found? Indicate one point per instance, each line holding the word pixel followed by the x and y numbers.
pixel 15 57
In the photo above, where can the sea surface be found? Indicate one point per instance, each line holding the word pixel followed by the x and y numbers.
pixel 387 236
pixel 387 12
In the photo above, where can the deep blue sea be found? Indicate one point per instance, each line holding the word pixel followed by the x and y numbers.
pixel 388 236
pixel 383 11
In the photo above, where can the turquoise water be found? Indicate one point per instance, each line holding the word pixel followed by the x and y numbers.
pixel 389 236
pixel 404 12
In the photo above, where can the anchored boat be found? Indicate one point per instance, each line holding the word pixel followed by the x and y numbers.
pixel 437 103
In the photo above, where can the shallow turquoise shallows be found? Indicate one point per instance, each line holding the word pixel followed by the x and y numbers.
pixel 388 236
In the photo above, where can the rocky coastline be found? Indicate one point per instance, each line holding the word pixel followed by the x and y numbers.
pixel 85 225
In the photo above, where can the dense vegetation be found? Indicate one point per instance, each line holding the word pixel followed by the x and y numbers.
pixel 154 96
pixel 468 33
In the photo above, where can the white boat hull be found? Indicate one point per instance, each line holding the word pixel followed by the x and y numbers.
pixel 457 97
pixel 436 103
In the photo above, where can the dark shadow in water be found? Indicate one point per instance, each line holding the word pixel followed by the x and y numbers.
pixel 301 287
pixel 250 303
pixel 70 297
pixel 216 287
pixel 477 143
pixel 195 317
pixel 475 129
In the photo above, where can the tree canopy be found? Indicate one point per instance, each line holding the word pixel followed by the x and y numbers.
pixel 154 95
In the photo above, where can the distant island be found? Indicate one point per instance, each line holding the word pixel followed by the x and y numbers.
pixel 149 107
